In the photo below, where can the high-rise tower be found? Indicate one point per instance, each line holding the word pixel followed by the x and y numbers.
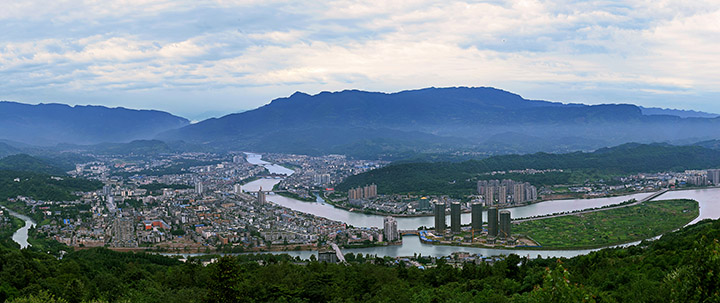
pixel 476 215
pixel 439 217
pixel 455 217
pixel 492 221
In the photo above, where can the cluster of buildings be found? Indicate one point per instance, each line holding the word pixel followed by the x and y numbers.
pixel 496 192
pixel 365 192
pixel 318 173
pixel 197 208
pixel 498 222
pixel 653 181
pixel 702 178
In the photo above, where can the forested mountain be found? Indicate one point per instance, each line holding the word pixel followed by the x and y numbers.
pixel 460 177
pixel 49 124
pixel 27 163
pixel 679 267
pixel 42 186
pixel 484 119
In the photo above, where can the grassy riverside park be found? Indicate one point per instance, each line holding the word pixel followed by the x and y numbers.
pixel 608 227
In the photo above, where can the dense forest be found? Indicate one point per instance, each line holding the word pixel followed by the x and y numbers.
pixel 42 186
pixel 680 267
pixel 459 178
pixel 24 162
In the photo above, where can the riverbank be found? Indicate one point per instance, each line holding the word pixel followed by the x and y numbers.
pixel 20 236
pixel 8 229
pixel 294 196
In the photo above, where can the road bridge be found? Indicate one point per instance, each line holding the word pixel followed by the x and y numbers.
pixel 338 253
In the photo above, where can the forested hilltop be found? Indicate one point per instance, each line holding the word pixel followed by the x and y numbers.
pixel 679 267
pixel 459 178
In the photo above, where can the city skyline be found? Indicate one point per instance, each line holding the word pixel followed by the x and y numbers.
pixel 235 56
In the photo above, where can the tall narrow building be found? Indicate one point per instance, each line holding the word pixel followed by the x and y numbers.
pixel 199 188
pixel 502 195
pixel 492 221
pixel 261 196
pixel 505 224
pixel 476 215
pixel 489 196
pixel 455 217
pixel 439 217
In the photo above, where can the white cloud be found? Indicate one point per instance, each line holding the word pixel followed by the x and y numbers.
pixel 650 47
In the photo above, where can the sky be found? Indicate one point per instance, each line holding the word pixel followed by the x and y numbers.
pixel 208 58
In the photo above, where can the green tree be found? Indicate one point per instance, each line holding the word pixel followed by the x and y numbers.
pixel 700 280
pixel 225 279
pixel 556 287
pixel 41 297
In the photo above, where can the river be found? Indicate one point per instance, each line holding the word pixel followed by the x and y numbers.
pixel 709 200
pixel 21 235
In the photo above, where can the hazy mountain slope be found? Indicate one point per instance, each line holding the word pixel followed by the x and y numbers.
pixel 48 124
pixel 6 150
pixel 27 163
pixel 486 119
pixel 676 112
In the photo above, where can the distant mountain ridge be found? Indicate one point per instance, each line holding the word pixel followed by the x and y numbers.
pixel 676 112
pixel 443 119
pixel 361 124
pixel 49 124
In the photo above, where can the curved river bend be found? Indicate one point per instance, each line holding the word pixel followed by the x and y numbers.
pixel 21 235
pixel 709 200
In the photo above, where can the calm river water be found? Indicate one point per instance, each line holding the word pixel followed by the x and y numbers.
pixel 21 235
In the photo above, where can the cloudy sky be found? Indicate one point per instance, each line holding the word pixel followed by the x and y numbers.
pixel 200 58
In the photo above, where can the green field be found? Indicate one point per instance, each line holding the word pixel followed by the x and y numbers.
pixel 612 226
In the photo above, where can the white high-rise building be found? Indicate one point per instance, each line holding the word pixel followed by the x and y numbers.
pixel 390 231
pixel 199 188
pixel 237 189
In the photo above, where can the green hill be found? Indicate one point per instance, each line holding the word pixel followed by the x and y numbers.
pixel 42 186
pixel 460 178
pixel 24 162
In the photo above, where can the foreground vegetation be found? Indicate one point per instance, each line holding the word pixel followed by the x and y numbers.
pixel 612 226
pixel 679 267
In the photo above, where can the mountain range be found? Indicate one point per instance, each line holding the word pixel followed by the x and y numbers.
pixel 439 120
pixel 49 124
pixel 452 120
